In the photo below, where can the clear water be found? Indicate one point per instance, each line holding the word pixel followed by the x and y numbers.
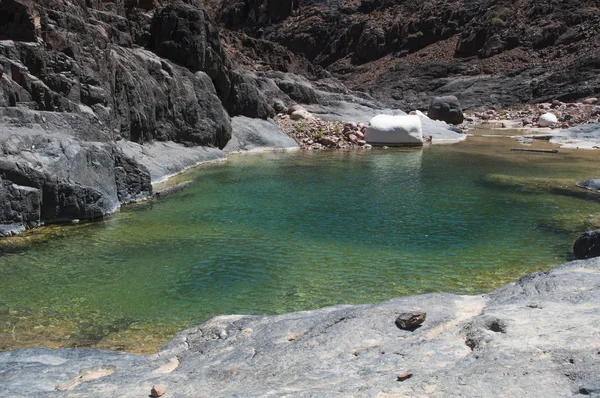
pixel 273 233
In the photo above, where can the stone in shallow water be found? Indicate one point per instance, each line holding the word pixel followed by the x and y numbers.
pixel 410 320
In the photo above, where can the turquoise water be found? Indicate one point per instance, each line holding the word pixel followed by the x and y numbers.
pixel 273 233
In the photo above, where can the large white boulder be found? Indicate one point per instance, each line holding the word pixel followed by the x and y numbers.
pixel 547 120
pixel 394 130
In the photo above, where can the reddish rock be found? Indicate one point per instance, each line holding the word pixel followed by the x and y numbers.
pixel 404 376
pixel 352 138
pixel 328 141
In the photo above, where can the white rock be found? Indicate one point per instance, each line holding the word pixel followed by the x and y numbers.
pixel 547 120
pixel 394 130
pixel 301 114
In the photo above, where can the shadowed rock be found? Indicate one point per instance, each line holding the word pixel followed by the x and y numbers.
pixel 446 109
pixel 587 245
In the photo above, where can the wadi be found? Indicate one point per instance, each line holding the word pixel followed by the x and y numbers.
pixel 350 198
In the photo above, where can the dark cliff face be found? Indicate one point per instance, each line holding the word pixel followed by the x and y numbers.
pixel 488 52
pixel 75 77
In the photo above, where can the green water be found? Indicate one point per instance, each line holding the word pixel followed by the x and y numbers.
pixel 273 233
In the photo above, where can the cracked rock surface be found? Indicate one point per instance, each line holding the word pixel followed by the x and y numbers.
pixel 536 337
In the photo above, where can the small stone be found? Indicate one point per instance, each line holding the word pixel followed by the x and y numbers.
pixel 158 390
pixel 410 320
pixel 361 142
pixel 301 114
pixel 404 376
pixel 367 146
pixel 359 134
pixel 352 138
pixel 590 101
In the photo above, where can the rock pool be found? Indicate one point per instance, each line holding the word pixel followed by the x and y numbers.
pixel 279 232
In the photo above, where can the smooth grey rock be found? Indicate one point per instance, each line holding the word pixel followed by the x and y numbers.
pixel 536 337
pixel 593 185
pixel 441 132
pixel 256 134
pixel 585 136
pixel 60 166
pixel 164 159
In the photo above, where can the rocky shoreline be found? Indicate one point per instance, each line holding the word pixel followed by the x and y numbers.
pixel 538 336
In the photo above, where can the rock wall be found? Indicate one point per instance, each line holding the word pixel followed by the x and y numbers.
pixel 77 78
pixel 490 53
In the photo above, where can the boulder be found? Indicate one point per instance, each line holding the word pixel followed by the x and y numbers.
pixel 587 245
pixel 256 134
pixel 547 120
pixel 447 109
pixel 394 130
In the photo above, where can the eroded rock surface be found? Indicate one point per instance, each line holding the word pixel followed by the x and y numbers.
pixel 538 337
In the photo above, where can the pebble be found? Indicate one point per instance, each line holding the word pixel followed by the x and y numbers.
pixel 404 376
pixel 410 320
pixel 590 101
pixel 158 390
